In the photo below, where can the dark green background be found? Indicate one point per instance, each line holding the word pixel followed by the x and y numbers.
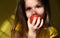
pixel 55 14
pixel 7 8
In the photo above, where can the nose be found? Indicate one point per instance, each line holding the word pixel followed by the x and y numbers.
pixel 33 10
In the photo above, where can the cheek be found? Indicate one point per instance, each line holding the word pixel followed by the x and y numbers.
pixel 40 11
pixel 28 14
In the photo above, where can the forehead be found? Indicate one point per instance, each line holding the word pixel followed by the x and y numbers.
pixel 31 2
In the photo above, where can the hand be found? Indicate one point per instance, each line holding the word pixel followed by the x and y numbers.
pixel 35 25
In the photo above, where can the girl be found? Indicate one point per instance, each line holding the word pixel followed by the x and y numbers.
pixel 40 28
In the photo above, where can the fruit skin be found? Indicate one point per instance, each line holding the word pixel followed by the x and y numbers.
pixel 32 17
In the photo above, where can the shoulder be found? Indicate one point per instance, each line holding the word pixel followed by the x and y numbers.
pixel 53 32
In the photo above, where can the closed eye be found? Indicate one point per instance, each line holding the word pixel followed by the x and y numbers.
pixel 28 9
pixel 38 6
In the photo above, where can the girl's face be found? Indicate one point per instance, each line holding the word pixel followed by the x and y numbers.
pixel 33 7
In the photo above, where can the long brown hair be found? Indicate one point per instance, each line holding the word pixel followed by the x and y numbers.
pixel 21 19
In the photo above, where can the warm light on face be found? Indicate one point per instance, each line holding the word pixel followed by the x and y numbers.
pixel 33 7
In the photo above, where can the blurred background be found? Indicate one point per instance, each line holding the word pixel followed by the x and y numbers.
pixel 8 10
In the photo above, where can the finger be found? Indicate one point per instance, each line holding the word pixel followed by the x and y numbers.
pixel 28 21
pixel 41 24
pixel 34 20
pixel 29 24
pixel 38 22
